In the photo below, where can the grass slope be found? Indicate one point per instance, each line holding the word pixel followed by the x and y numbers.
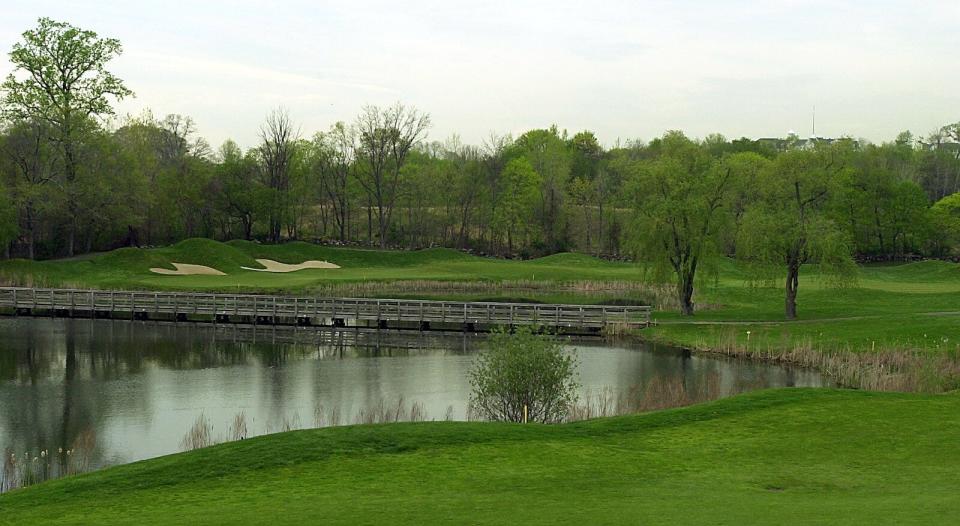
pixel 129 268
pixel 786 456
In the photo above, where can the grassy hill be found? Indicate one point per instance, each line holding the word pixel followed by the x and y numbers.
pixel 128 268
pixel 773 457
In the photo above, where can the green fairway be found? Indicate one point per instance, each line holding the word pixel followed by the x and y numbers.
pixel 129 268
pixel 787 456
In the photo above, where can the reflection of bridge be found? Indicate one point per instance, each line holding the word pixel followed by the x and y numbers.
pixel 308 311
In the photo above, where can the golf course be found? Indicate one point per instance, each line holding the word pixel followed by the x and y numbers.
pixel 515 263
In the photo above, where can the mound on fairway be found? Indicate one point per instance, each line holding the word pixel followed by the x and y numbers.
pixel 270 265
pixel 186 269
pixel 789 456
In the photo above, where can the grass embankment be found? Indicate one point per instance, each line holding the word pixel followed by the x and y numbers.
pixel 771 457
pixel 911 306
pixel 129 268
pixel 914 306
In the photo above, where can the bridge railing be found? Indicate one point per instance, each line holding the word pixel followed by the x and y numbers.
pixel 561 315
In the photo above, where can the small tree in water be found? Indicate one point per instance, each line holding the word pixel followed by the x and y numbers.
pixel 523 370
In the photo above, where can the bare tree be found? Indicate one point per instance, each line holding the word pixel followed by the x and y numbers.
pixel 337 152
pixel 386 136
pixel 494 159
pixel 277 148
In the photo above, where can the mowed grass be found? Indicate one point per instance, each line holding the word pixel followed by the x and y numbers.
pixel 790 456
pixel 129 268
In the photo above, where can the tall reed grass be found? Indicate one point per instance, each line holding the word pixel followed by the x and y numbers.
pixel 19 470
pixel 897 369
pixel 661 392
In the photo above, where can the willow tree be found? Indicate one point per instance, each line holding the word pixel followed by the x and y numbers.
pixel 60 78
pixel 791 223
pixel 678 198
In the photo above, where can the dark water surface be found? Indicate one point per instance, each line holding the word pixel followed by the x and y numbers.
pixel 136 387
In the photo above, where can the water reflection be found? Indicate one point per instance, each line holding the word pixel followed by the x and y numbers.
pixel 138 386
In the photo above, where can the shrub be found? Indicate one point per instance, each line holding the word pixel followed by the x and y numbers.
pixel 520 370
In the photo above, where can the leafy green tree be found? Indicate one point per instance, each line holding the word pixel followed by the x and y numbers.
pixel 27 164
pixel 790 224
pixel 678 199
pixel 513 212
pixel 946 218
pixel 236 191
pixel 549 155
pixel 523 374
pixel 60 78
pixel 745 168
pixel 109 194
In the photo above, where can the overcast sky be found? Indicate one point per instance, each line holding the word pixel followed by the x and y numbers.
pixel 622 69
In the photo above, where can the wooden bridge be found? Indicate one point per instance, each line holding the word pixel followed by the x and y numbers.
pixel 315 311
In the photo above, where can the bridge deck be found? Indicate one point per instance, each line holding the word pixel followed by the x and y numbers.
pixel 242 308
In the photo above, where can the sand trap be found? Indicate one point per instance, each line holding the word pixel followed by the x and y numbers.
pixel 184 269
pixel 275 266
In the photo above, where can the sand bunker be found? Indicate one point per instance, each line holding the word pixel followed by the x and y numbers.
pixel 275 266
pixel 184 269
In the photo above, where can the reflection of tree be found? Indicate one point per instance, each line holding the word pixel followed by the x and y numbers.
pixel 57 374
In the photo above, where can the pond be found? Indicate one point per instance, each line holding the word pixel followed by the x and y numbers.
pixel 131 390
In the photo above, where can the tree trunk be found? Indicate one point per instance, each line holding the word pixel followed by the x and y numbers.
pixel 793 281
pixel 71 239
pixel 369 222
pixel 685 292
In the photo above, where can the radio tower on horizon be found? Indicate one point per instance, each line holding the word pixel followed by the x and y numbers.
pixel 813 126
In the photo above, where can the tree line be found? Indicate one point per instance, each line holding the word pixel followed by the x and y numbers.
pixel 75 179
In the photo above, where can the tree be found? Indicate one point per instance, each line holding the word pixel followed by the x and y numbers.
pixel 745 168
pixel 513 211
pixel 386 136
pixel 66 85
pixel 8 221
pixel 678 198
pixel 236 191
pixel 334 157
pixel 790 225
pixel 277 151
pixel 946 218
pixel 549 154
pixel 883 212
pixel 523 374
pixel 27 165
pixel 587 183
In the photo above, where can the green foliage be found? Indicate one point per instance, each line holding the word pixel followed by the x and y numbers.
pixel 67 81
pixel 790 225
pixel 521 376
pixel 946 218
pixel 513 212
pixel 678 200
pixel 549 155
pixel 8 219
pixel 78 187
